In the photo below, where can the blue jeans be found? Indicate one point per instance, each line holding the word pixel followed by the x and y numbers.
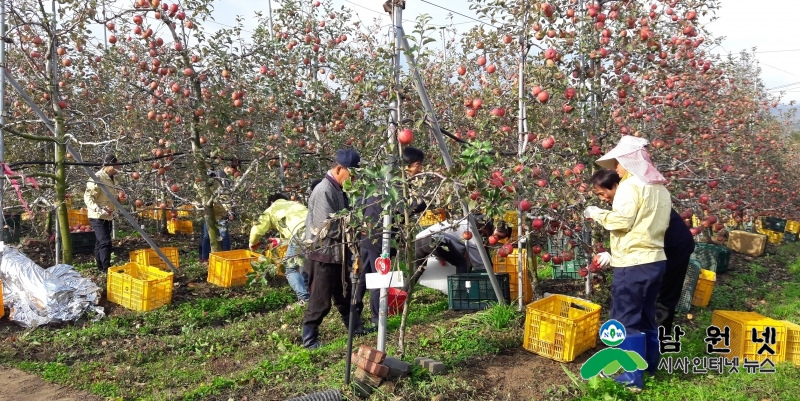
pixel 297 278
pixel 205 246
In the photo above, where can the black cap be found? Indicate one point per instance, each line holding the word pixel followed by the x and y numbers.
pixel 412 155
pixel 110 159
pixel 348 158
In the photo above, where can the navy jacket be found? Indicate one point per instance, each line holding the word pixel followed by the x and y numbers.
pixel 678 239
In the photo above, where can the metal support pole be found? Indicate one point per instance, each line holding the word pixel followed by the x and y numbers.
pixel 2 117
pixel 520 149
pixel 477 240
pixel 56 98
pixel 77 156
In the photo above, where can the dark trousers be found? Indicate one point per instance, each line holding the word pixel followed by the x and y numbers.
pixel 324 283
pixel 442 249
pixel 368 257
pixel 102 245
pixel 671 288
pixel 634 291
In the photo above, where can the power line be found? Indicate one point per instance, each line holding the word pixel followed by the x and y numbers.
pixel 783 86
pixel 456 12
pixel 779 51
pixel 761 62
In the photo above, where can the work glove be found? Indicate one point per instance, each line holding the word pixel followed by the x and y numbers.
pixel 591 212
pixel 603 259
pixel 255 246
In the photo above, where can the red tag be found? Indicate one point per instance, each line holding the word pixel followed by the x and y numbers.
pixel 383 265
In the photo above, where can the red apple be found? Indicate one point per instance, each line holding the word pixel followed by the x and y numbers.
pixel 524 205
pixel 467 235
pixel 405 136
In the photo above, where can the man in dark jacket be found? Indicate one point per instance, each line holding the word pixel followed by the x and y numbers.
pixel 678 246
pixel 371 244
pixel 328 257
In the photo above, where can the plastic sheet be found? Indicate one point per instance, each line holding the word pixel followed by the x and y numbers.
pixel 37 296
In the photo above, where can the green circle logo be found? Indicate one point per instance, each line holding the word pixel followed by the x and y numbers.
pixel 612 333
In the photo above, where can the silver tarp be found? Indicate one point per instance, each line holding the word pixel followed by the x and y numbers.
pixel 37 296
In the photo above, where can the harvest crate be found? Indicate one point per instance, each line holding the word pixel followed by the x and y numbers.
pixel 721 253
pixel 705 286
pixel 566 270
pixel 179 227
pixel 276 255
pixel 432 216
pixel 149 257
pixel 760 226
pixel 474 291
pixel 83 242
pixel 510 218
pixel 139 288
pixel 792 227
pixel 509 265
pixel 774 237
pixel 741 325
pixel 230 268
pixel 689 285
pixel 792 342
pixel 775 224
pixel 789 237
pixel 185 210
pixel 560 327
pixel 78 217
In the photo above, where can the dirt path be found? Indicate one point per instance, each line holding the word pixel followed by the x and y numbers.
pixel 20 386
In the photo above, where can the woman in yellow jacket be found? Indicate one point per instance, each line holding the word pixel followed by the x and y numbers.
pixel 288 218
pixel 637 222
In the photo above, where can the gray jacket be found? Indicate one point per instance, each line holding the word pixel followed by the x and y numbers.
pixel 324 235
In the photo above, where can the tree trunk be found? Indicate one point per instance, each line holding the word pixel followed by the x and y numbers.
pixel 60 185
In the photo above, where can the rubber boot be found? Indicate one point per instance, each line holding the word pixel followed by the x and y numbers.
pixel 310 335
pixel 634 341
pixel 653 351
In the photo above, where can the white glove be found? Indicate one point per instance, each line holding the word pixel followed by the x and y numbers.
pixel 591 211
pixel 603 259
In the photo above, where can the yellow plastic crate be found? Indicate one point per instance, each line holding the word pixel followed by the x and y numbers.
pixel 741 325
pixel 792 342
pixel 774 237
pixel 432 216
pixel 78 217
pixel 185 210
pixel 792 227
pixel 704 288
pixel 276 255
pixel 149 257
pixel 139 288
pixel 509 265
pixel 179 226
pixel 560 327
pixel 230 268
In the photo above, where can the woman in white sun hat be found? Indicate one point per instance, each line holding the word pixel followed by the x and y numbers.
pixel 637 221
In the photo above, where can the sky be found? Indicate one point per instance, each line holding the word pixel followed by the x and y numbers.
pixel 769 25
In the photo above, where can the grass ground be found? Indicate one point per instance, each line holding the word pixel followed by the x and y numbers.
pixel 213 343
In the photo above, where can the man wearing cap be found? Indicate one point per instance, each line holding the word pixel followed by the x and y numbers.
pixel 637 222
pixel 328 257
pixel 100 211
pixel 371 245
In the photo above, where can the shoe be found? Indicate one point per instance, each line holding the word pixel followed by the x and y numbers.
pixel 652 351
pixel 299 304
pixel 312 346
pixel 634 341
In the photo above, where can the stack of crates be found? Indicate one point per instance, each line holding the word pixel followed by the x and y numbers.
pixel 149 257
pixel 560 327
pixel 704 288
pixel 474 291
pixel 720 255
pixel 230 268
pixel 509 265
pixel 689 285
pixel 567 269
pixel 741 325
pixel 139 288
pixel 78 217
